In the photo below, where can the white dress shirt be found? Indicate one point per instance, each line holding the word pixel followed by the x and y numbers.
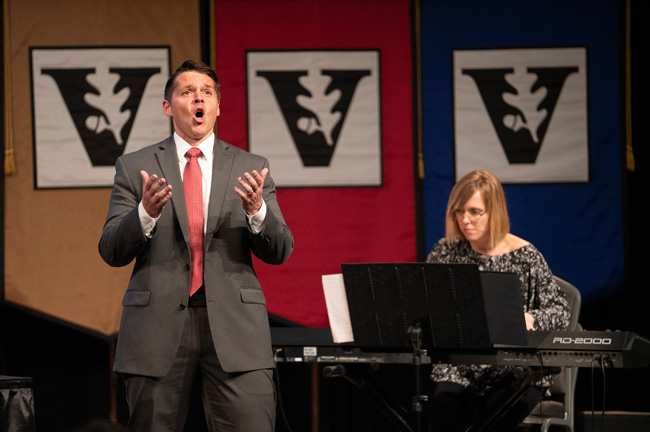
pixel 148 223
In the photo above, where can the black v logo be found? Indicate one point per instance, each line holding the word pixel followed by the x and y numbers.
pixel 103 112
pixel 314 108
pixel 520 113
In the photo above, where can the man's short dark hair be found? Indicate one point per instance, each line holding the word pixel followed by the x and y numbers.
pixel 192 66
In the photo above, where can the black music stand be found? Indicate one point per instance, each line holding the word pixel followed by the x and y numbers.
pixel 385 299
pixel 429 306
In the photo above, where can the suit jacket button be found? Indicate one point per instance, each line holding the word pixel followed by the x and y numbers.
pixel 181 306
pixel 188 267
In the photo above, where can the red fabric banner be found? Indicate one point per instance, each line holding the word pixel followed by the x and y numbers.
pixel 331 225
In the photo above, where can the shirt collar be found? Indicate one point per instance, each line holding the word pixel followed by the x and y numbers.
pixel 206 147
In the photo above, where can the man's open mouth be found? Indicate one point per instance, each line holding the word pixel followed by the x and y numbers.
pixel 198 114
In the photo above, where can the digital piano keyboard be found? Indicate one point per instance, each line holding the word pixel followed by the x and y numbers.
pixel 613 349
pixel 618 349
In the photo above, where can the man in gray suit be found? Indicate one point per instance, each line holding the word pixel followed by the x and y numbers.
pixel 194 309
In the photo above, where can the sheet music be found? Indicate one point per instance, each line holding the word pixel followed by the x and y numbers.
pixel 337 308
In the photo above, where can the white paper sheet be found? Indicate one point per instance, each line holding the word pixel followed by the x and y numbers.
pixel 337 308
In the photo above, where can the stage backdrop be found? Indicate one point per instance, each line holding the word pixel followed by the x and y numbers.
pixel 75 64
pixel 323 89
pixel 530 91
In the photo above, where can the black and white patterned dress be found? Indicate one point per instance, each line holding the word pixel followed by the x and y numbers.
pixel 540 294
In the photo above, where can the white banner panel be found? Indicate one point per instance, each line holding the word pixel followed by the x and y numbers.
pixel 91 105
pixel 316 116
pixel 522 114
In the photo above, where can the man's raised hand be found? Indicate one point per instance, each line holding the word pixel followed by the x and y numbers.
pixel 154 195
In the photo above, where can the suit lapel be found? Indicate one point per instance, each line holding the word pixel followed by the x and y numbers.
pixel 221 174
pixel 168 161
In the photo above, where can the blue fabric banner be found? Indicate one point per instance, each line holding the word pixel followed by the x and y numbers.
pixel 529 90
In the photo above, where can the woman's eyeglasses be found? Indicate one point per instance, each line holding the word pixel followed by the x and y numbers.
pixel 472 214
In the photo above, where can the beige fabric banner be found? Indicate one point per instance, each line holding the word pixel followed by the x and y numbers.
pixel 52 265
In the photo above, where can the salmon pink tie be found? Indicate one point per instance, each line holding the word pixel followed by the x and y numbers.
pixel 193 189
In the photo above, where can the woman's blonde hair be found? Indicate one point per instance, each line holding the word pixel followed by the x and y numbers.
pixel 493 198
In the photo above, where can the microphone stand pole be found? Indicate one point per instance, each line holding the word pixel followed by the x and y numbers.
pixel 415 335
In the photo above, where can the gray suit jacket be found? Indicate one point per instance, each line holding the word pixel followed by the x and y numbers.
pixel 155 302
